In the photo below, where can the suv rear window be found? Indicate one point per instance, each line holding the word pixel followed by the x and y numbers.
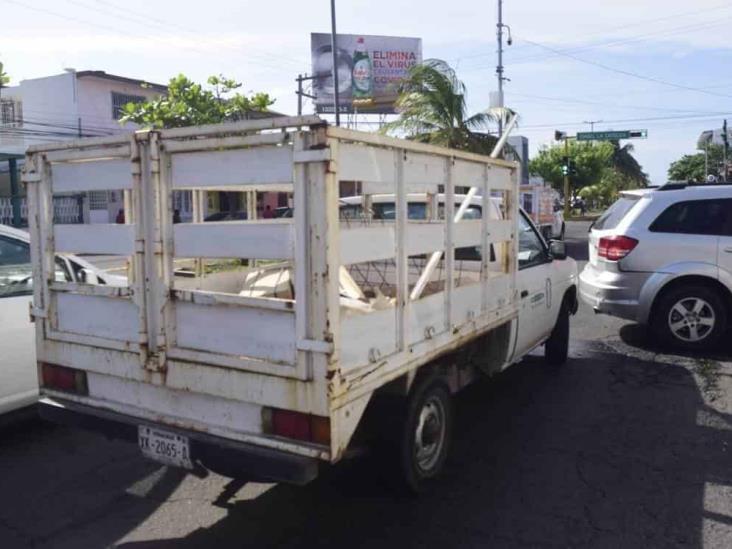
pixel 708 217
pixel 615 213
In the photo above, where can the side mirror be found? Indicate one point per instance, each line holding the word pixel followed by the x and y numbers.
pixel 558 249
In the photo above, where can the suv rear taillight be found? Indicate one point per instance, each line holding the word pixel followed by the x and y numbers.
pixel 61 378
pixel 614 248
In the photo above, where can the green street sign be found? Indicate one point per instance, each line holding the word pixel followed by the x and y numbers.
pixel 612 135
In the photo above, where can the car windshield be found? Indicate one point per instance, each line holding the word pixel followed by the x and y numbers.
pixel 615 213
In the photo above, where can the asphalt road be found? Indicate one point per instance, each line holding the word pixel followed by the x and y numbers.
pixel 624 447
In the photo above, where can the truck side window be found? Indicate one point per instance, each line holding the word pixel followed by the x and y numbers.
pixel 532 251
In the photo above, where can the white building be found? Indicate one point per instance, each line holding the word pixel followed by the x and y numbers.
pixel 66 106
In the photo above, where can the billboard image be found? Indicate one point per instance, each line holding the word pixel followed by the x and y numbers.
pixel 369 70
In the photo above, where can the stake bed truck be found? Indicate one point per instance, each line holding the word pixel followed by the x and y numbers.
pixel 289 341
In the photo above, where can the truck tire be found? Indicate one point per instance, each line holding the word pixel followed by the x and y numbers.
pixel 692 318
pixel 426 434
pixel 556 348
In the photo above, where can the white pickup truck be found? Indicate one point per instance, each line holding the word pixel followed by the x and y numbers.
pixel 298 352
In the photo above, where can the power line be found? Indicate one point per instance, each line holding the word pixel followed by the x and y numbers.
pixel 120 31
pixel 695 117
pixel 150 20
pixel 643 22
pixel 611 105
pixel 154 23
pixel 629 40
pixel 625 72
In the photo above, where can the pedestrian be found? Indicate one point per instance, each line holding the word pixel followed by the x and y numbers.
pixel 268 213
pixel 583 206
pixel 120 219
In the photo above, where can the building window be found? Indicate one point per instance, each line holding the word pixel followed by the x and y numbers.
pixel 119 100
pixel 11 112
pixel 98 200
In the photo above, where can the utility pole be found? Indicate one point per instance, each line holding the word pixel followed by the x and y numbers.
pixel 499 68
pixel 725 140
pixel 566 179
pixel 336 102
pixel 592 124
pixel 301 93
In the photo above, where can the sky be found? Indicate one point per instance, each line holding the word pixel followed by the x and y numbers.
pixel 660 65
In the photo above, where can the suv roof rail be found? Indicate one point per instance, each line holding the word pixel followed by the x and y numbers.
pixel 676 185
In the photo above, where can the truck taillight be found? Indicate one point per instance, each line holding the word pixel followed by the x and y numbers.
pixel 296 425
pixel 614 248
pixel 61 378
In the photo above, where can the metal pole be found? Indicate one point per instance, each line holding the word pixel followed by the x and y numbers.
pixel 499 68
pixel 299 94
pixel 566 179
pixel 336 102
pixel 14 191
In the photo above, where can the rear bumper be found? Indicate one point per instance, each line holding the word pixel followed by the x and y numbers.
pixel 228 457
pixel 612 293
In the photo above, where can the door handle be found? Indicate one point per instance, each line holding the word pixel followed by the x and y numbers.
pixel 524 293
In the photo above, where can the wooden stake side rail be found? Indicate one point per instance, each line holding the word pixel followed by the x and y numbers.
pixel 317 355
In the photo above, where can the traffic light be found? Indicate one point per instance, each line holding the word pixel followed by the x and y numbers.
pixel 558 136
pixel 569 167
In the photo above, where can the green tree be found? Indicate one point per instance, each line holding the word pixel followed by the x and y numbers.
pixel 432 109
pixel 4 78
pixel 591 159
pixel 691 167
pixel 188 103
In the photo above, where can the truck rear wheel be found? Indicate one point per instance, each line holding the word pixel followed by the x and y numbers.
pixel 426 434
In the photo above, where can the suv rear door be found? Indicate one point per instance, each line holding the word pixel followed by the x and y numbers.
pixel 609 221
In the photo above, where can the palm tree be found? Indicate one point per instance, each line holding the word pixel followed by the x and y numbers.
pixel 626 165
pixel 4 78
pixel 432 109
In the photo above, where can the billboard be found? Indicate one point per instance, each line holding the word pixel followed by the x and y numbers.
pixel 369 70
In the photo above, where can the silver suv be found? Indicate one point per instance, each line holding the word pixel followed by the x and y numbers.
pixel 663 257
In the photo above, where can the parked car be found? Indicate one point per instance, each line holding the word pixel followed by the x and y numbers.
pixel 663 257
pixel 18 376
pixel 226 216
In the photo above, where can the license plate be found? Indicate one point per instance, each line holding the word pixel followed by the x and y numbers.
pixel 165 447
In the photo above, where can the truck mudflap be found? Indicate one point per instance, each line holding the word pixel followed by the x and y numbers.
pixel 207 452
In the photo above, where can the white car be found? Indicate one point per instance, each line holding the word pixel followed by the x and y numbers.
pixel 18 373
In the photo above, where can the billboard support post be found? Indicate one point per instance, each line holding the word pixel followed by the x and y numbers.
pixel 336 105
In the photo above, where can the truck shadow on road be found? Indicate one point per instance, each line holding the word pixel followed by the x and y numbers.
pixel 84 491
pixel 608 452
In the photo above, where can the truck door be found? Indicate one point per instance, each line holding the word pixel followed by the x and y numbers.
pixel 534 282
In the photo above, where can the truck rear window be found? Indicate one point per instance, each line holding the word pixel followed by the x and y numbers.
pixel 615 213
